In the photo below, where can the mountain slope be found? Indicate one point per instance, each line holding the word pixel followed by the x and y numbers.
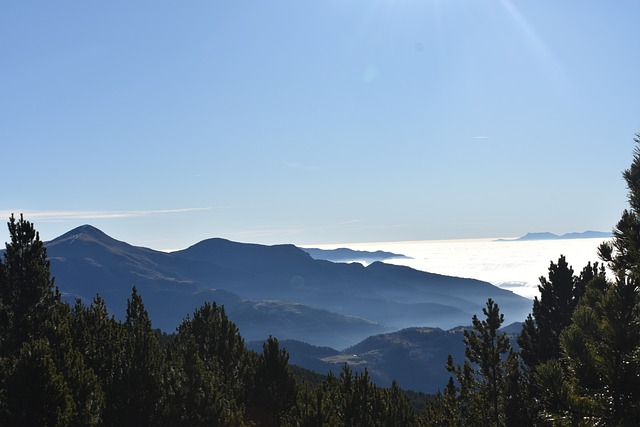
pixel 350 255
pixel 414 357
pixel 279 290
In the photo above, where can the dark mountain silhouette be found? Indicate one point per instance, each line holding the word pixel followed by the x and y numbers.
pixel 279 290
pixel 513 328
pixel 350 255
pixel 414 357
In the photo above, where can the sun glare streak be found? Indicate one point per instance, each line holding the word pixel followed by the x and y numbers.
pixel 538 46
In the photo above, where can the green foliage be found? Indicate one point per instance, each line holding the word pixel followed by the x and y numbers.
pixel 274 390
pixel 601 348
pixel 559 294
pixel 139 384
pixel 208 371
pixel 193 394
pixel 26 289
pixel 78 366
pixel 37 393
pixel 484 379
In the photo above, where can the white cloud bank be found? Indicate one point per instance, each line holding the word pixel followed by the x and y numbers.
pixel 516 265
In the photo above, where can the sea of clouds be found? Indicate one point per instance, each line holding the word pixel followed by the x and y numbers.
pixel 513 265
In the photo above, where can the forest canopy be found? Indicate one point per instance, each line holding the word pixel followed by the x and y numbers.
pixel 577 361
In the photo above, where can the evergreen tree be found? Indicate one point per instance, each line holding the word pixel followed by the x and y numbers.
pixel 38 393
pixel 559 294
pixel 137 388
pixel 274 392
pixel 100 340
pixel 27 299
pixel 539 339
pixel 209 366
pixel 398 408
pixel 602 346
pixel 36 320
pixel 193 395
pixel 481 394
pixel 220 346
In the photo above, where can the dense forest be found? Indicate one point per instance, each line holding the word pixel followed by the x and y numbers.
pixel 577 361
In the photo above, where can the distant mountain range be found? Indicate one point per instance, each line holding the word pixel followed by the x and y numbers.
pixel 350 255
pixel 551 236
pixel 269 290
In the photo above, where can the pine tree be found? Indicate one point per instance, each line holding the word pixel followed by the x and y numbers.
pixel 208 368
pixel 398 408
pixel 27 299
pixel 602 347
pixel 37 321
pixel 274 392
pixel 100 340
pixel 481 379
pixel 137 388
pixel 192 394
pixel 38 393
pixel 539 339
pixel 220 344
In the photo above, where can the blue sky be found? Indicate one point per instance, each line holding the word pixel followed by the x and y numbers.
pixel 164 123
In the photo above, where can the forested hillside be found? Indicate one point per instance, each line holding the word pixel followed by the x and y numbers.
pixel 578 361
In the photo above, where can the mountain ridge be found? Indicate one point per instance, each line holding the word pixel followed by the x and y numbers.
pixel 279 290
pixel 545 235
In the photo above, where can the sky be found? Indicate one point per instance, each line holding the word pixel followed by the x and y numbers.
pixel 317 122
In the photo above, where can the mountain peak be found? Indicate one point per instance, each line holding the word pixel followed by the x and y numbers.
pixel 84 232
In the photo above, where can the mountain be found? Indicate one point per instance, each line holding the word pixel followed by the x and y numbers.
pixel 588 235
pixel 279 290
pixel 551 236
pixel 350 255
pixel 414 357
pixel 513 328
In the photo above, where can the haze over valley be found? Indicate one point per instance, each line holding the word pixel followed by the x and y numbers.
pixel 270 290
pixel 511 264
pixel 367 308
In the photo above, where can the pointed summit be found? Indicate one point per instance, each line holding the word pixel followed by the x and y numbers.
pixel 84 232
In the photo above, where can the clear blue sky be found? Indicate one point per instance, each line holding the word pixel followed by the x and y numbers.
pixel 166 122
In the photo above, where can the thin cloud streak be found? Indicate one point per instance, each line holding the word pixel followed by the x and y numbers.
pixel 67 215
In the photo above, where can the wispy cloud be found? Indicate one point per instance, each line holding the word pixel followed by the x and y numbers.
pixel 68 215
pixel 480 137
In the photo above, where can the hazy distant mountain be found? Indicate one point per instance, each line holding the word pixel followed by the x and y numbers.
pixel 279 290
pixel 551 236
pixel 513 328
pixel 350 255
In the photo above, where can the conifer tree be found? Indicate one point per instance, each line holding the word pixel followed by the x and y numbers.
pixel 274 392
pixel 100 340
pixel 192 394
pixel 37 322
pixel 220 345
pixel 602 347
pixel 481 379
pixel 539 339
pixel 208 356
pixel 27 299
pixel 138 384
pixel 38 393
